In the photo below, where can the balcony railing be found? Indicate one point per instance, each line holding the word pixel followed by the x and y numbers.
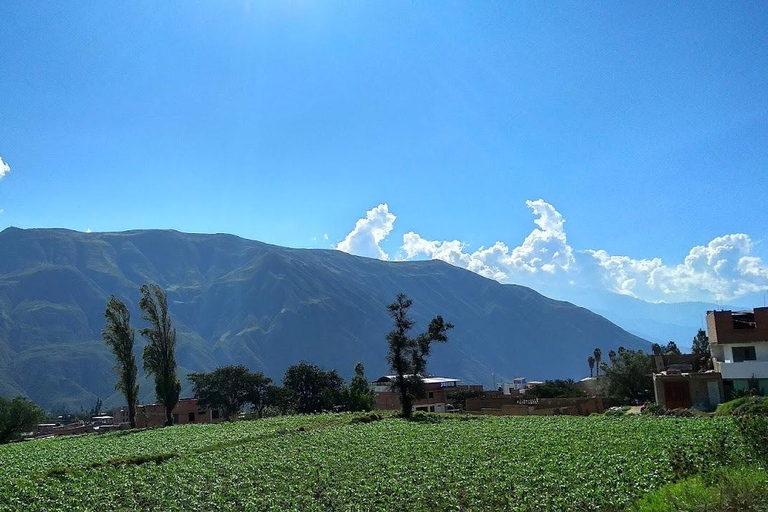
pixel 743 369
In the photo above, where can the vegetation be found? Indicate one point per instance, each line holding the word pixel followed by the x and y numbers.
pixel 742 489
pixel 700 343
pixel 229 388
pixel 555 389
pixel 360 395
pixel 670 349
pixel 459 398
pixel 313 388
pixel 408 356
pixel 347 462
pixel 160 352
pixel 119 336
pixel 598 356
pixel 591 363
pixel 628 378
pixel 16 416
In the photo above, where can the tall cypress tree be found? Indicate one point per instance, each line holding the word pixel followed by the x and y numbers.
pixel 160 352
pixel 119 335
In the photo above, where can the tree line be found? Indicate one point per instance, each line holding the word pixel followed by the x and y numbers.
pixel 306 387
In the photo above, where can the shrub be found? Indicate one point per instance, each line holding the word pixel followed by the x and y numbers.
pixel 654 409
pixel 726 408
pixel 739 489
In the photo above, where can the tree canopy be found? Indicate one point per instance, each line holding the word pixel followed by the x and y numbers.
pixel 229 388
pixel 16 416
pixel 629 377
pixel 360 395
pixel 701 343
pixel 314 389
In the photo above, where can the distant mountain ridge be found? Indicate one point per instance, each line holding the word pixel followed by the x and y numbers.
pixel 237 301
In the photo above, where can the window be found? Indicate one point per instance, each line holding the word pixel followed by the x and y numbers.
pixel 431 394
pixel 744 354
pixel 215 414
pixel 431 408
pixel 191 417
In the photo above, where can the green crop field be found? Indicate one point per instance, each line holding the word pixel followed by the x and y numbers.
pixel 333 462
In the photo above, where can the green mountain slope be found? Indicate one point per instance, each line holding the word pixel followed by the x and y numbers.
pixel 245 302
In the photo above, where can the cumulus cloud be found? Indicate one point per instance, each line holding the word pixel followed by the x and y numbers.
pixel 368 233
pixel 724 269
pixel 545 250
pixel 4 168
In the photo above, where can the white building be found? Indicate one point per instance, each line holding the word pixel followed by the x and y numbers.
pixel 739 344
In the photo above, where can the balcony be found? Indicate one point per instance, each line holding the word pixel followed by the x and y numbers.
pixel 742 370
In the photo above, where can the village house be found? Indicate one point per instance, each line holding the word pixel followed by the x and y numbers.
pixel 437 398
pixel 187 410
pixel 739 344
pixel 686 381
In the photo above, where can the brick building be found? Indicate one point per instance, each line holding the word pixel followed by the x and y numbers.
pixel 437 398
pixel 738 341
pixel 153 415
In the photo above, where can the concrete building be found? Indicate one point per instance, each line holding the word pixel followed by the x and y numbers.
pixel 686 381
pixel 739 344
pixel 436 400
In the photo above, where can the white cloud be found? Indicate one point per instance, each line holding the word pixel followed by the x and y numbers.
pixel 368 233
pixel 544 250
pixel 88 230
pixel 4 168
pixel 726 268
pixel 723 269
pixel 325 236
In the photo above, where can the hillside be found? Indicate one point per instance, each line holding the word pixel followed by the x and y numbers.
pixel 246 302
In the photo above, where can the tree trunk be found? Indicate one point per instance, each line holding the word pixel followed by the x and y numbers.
pixel 405 398
pixel 132 414
pixel 168 416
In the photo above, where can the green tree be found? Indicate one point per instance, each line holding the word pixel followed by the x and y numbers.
pixel 361 396
pixel 119 336
pixel 700 343
pixel 459 398
pixel 160 352
pixel 591 363
pixel 555 389
pixel 629 377
pixel 598 355
pixel 280 399
pixel 313 388
pixel 16 416
pixel 408 356
pixel 229 388
pixel 670 349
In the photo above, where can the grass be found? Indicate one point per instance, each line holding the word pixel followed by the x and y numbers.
pixel 345 462
pixel 741 489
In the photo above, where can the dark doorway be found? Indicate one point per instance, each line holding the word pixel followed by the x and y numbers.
pixel 676 395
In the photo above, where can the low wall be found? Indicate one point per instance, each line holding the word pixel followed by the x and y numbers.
pixel 520 406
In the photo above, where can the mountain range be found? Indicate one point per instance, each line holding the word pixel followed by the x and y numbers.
pixel 238 301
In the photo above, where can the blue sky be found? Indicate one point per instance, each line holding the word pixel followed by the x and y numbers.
pixel 643 125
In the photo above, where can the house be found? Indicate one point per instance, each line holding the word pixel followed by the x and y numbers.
pixel 437 390
pixel 738 341
pixel 686 381
pixel 187 410
pixel 517 384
